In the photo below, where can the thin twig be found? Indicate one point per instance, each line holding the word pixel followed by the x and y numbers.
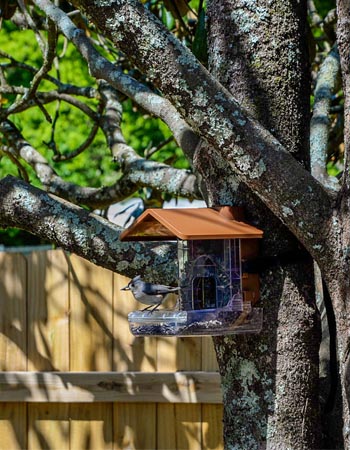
pixel 101 68
pixel 42 109
pixel 49 55
pixel 88 92
pixel 32 25
pixel 153 150
pixel 58 157
pixel 52 143
pixel 10 153
pixel 48 97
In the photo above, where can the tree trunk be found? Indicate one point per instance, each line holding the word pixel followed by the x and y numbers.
pixel 270 382
pixel 337 279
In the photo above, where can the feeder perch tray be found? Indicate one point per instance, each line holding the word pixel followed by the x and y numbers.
pixel 204 322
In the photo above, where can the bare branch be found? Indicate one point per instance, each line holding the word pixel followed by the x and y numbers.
pixel 142 173
pixel 9 152
pixel 92 197
pixel 76 230
pixel 313 13
pixel 58 157
pixel 257 158
pixel 140 170
pixel 327 81
pixel 47 97
pixel 64 88
pixel 101 68
pixel 88 141
pixel 49 55
pixel 32 24
pixel 330 18
pixel 151 151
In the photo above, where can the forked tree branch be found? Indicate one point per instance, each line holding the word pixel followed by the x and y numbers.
pixel 76 230
pixel 257 158
pixel 139 172
pixel 101 68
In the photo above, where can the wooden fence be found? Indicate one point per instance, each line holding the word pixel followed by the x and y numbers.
pixel 73 376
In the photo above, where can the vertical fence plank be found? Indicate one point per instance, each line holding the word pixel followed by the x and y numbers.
pixel 189 353
pixel 124 302
pixel 91 426
pixel 13 426
pixel 212 427
pixel 91 348
pixel 13 344
pixel 48 426
pixel 13 311
pixel 48 311
pixel 167 354
pixel 167 359
pixel 166 435
pixel 135 426
pixel 91 319
pixel 48 343
pixel 187 426
pixel 188 417
pixel 209 362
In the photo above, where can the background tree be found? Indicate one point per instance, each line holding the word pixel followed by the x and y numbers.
pixel 231 80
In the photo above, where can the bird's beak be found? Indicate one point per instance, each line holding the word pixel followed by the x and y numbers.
pixel 126 288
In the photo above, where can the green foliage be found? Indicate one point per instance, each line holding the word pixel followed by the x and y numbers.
pixel 94 167
pixel 143 132
pixel 323 6
pixel 14 237
pixel 186 19
pixel 200 46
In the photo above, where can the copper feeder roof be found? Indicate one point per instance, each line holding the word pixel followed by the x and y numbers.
pixel 188 223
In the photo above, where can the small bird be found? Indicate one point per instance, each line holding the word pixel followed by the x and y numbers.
pixel 148 293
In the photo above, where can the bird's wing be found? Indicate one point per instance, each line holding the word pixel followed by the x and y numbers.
pixel 154 289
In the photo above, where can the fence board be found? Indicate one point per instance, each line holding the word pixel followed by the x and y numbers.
pixel 209 361
pixel 82 387
pixel 48 311
pixel 135 426
pixel 49 427
pixel 91 426
pixel 92 383
pixel 13 344
pixel 13 426
pixel 13 312
pixel 212 427
pixel 91 324
pixel 188 427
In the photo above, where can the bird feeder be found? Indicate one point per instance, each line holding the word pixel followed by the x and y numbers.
pixel 217 296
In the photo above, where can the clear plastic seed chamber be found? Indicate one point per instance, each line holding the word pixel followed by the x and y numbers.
pixel 216 296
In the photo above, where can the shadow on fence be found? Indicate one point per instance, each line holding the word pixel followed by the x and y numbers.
pixel 60 315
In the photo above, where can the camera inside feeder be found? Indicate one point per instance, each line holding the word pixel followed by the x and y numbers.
pixel 209 273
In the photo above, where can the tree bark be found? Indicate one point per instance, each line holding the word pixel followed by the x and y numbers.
pixel 269 401
pixel 77 230
pixel 252 152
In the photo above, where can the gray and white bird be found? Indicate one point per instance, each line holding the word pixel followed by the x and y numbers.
pixel 148 293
